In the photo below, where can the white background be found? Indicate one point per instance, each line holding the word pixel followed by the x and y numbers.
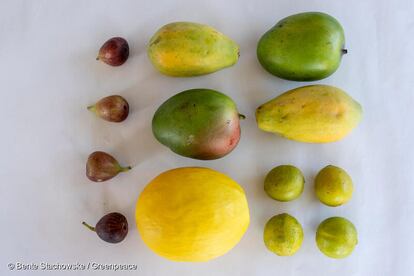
pixel 48 75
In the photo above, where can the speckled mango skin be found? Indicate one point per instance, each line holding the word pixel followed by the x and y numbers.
pixel 302 47
pixel 198 123
pixel 185 49
pixel 312 114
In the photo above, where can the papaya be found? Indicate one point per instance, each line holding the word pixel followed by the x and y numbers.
pixel 312 114
pixel 185 49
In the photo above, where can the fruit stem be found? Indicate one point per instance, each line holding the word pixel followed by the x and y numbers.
pixel 125 169
pixel 97 58
pixel 344 51
pixel 88 226
pixel 242 117
pixel 92 108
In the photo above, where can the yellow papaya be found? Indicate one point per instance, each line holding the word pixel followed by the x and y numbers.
pixel 185 49
pixel 312 114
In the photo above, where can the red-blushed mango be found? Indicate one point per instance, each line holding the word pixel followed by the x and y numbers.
pixel 185 49
pixel 198 123
pixel 313 114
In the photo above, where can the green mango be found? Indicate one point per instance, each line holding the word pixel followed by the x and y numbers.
pixel 185 49
pixel 198 123
pixel 303 47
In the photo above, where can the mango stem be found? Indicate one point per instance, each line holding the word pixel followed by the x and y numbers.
pixel 88 226
pixel 344 51
pixel 241 116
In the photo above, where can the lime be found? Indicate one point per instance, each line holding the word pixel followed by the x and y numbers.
pixel 333 186
pixel 336 237
pixel 283 235
pixel 284 183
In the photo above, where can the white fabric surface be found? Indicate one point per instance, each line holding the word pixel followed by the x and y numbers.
pixel 49 75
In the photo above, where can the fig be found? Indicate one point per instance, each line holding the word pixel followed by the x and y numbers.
pixel 114 52
pixel 101 167
pixel 111 228
pixel 112 108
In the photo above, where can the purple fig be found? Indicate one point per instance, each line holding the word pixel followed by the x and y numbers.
pixel 102 166
pixel 112 108
pixel 111 228
pixel 114 52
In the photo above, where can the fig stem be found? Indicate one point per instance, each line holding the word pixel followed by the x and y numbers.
pixel 125 169
pixel 344 51
pixel 88 226
pixel 92 108
pixel 241 116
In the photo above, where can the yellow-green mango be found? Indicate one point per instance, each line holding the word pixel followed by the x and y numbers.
pixel 312 114
pixel 185 49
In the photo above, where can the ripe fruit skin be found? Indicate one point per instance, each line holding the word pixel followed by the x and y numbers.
pixel 192 214
pixel 101 166
pixel 284 183
pixel 198 123
pixel 112 108
pixel 336 237
pixel 114 52
pixel 302 47
pixel 311 114
pixel 333 186
pixel 111 228
pixel 185 49
pixel 283 235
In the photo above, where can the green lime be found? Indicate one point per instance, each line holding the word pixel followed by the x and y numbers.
pixel 283 235
pixel 333 186
pixel 284 183
pixel 336 237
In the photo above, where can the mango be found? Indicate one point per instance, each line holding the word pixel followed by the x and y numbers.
pixel 198 123
pixel 312 114
pixel 185 49
pixel 303 47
